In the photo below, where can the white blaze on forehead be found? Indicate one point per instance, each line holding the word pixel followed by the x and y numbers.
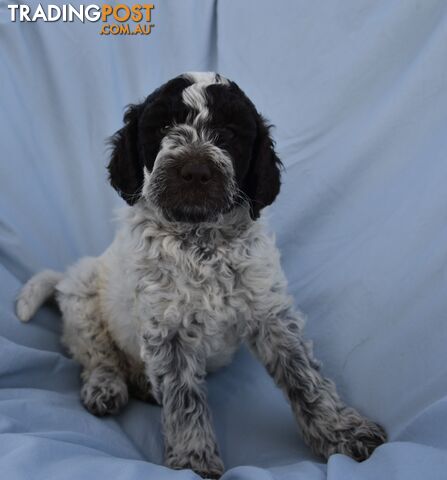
pixel 205 77
pixel 194 95
pixel 146 182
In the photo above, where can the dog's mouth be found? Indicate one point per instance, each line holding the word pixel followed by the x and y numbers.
pixel 192 203
pixel 194 214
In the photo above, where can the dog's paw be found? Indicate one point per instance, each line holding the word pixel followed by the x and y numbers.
pixel 353 435
pixel 105 398
pixel 24 309
pixel 361 440
pixel 206 464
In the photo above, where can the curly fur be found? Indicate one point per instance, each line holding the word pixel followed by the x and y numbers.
pixel 169 301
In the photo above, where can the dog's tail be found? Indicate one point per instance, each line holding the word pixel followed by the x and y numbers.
pixel 35 292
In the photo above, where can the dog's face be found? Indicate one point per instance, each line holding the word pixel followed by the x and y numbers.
pixel 195 148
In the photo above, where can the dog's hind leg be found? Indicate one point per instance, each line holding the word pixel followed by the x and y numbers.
pixel 35 292
pixel 104 390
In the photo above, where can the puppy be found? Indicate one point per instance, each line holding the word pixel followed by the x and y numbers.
pixel 190 275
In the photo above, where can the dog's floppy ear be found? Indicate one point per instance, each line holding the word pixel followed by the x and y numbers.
pixel 126 166
pixel 264 176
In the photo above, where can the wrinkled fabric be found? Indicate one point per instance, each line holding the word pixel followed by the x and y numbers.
pixel 357 92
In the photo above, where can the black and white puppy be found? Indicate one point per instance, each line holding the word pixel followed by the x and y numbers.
pixel 190 275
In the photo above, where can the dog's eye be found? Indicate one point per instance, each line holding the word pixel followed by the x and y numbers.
pixel 227 132
pixel 165 129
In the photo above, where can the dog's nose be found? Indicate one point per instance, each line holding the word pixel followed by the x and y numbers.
pixel 195 172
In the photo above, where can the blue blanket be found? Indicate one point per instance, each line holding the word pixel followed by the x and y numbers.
pixel 357 91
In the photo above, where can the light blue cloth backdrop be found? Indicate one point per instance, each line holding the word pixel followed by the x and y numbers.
pixel 358 92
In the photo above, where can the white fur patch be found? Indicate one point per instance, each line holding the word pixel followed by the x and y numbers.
pixel 195 97
pixel 36 291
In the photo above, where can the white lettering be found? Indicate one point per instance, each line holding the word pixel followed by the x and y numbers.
pixel 39 13
pixel 23 13
pixel 72 12
pixel 95 16
pixel 65 12
pixel 53 17
pixel 13 9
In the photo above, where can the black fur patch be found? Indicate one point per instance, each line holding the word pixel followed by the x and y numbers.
pixel 235 125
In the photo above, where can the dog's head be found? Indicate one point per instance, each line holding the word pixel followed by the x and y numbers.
pixel 195 148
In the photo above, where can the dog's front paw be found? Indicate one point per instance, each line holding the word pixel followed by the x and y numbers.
pixel 361 439
pixel 207 464
pixel 105 398
pixel 354 435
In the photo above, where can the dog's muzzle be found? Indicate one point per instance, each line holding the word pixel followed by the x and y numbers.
pixel 192 183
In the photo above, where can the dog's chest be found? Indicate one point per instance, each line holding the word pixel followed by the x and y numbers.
pixel 206 288
pixel 193 282
pixel 194 288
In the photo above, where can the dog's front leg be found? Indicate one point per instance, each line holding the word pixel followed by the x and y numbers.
pixel 328 425
pixel 176 370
